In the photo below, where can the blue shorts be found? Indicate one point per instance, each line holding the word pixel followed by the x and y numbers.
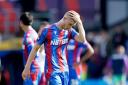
pixel 34 79
pixel 60 78
pixel 73 77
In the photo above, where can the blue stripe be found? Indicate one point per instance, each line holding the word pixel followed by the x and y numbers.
pixel 54 51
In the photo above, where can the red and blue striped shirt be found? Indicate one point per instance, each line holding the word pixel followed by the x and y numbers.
pixel 55 43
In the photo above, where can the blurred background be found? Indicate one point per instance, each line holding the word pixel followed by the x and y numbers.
pixel 105 23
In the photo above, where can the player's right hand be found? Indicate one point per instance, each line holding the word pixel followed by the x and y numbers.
pixel 75 16
pixel 25 73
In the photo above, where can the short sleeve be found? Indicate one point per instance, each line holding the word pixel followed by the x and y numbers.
pixel 73 33
pixel 42 37
pixel 28 39
pixel 29 42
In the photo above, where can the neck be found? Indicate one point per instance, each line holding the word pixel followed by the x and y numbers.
pixel 26 28
pixel 60 24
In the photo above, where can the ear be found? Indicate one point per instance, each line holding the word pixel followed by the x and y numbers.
pixel 65 17
pixel 21 22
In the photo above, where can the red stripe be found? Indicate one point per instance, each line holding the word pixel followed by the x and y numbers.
pixel 42 5
pixel 59 53
pixel 42 80
pixel 72 5
pixel 26 53
pixel 34 75
pixel 69 34
pixel 75 52
pixel 48 55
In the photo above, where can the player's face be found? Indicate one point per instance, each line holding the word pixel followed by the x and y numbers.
pixel 68 23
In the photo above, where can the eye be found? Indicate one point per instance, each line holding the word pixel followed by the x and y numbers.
pixel 70 24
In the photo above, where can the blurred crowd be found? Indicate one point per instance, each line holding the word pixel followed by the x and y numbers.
pixel 110 55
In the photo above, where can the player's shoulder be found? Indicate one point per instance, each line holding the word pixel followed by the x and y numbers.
pixel 48 27
pixel 27 34
pixel 30 33
pixel 71 29
pixel 52 26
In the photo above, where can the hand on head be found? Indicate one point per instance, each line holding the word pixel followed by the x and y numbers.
pixel 73 15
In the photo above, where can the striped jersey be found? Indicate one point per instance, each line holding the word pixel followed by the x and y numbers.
pixel 55 43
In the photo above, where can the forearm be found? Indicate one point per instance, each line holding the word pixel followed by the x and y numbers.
pixel 81 32
pixel 41 48
pixel 88 54
pixel 85 58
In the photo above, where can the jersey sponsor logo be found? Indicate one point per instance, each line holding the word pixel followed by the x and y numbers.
pixel 59 42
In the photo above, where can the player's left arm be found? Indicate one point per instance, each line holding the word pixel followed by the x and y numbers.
pixel 86 55
pixel 81 35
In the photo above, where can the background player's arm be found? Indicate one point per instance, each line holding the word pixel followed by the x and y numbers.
pixel 88 54
pixel 32 55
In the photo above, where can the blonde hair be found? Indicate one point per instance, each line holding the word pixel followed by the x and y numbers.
pixel 69 15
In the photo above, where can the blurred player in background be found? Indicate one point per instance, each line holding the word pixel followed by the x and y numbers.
pixel 74 59
pixel 55 39
pixel 119 65
pixel 30 37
